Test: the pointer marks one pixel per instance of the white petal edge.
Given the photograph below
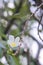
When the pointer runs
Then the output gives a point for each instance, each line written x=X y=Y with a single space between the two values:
x=17 y=40
x=11 y=37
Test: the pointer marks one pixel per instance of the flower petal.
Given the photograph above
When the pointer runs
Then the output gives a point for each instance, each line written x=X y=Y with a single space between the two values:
x=3 y=60
x=34 y=49
x=17 y=41
x=40 y=58
x=11 y=37
x=9 y=41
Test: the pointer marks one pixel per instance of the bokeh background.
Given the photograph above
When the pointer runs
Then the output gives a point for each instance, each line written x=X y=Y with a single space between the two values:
x=23 y=19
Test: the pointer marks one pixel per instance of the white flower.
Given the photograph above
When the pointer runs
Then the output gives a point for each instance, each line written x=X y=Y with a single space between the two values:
x=37 y=14
x=32 y=2
x=11 y=5
x=33 y=9
x=13 y=42
x=41 y=57
x=3 y=60
x=24 y=43
x=34 y=49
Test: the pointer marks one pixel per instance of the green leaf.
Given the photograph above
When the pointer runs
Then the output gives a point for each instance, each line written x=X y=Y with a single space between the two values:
x=1 y=63
x=1 y=52
x=32 y=63
x=15 y=32
x=13 y=60
x=16 y=59
x=2 y=46
x=24 y=11
x=10 y=60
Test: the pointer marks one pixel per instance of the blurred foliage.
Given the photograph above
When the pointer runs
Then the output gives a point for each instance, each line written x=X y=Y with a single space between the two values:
x=15 y=32
x=1 y=63
x=20 y=17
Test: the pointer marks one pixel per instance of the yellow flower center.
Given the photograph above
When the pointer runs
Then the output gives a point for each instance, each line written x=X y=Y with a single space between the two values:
x=13 y=44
